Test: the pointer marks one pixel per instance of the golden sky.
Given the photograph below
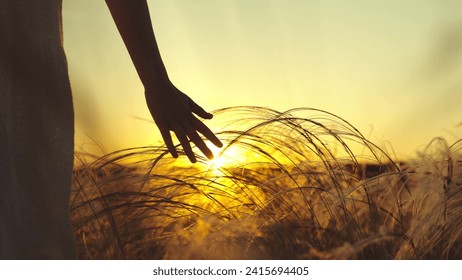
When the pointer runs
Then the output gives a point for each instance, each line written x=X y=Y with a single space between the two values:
x=391 y=68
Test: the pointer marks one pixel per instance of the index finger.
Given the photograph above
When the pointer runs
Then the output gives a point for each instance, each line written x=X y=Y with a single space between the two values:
x=204 y=130
x=165 y=133
x=181 y=135
x=196 y=139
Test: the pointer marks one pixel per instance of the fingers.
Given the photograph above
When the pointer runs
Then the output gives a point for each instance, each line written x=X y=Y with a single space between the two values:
x=181 y=135
x=165 y=132
x=204 y=130
x=186 y=127
x=198 y=110
x=185 y=135
x=196 y=139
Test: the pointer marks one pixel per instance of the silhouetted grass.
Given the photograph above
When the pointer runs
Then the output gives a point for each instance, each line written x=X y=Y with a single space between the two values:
x=292 y=186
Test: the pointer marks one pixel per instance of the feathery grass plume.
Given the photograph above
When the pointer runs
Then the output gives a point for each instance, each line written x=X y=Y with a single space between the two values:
x=299 y=184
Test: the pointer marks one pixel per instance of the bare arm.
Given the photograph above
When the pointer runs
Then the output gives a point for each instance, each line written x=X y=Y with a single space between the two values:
x=171 y=109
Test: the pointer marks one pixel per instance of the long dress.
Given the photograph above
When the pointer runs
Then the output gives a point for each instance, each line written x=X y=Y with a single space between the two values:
x=36 y=133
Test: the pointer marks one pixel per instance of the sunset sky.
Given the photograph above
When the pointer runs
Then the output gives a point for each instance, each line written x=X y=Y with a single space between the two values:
x=391 y=68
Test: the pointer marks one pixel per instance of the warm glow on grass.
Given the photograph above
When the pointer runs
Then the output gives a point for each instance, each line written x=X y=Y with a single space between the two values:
x=277 y=190
x=226 y=156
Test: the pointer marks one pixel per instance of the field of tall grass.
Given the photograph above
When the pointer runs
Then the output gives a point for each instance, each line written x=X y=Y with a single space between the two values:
x=301 y=184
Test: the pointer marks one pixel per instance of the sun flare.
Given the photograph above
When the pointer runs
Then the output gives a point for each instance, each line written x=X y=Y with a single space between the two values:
x=227 y=156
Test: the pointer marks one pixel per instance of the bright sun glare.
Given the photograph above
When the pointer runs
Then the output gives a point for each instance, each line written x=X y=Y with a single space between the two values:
x=221 y=157
x=227 y=156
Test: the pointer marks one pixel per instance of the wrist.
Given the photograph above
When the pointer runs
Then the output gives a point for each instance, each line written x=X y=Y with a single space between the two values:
x=158 y=86
x=157 y=82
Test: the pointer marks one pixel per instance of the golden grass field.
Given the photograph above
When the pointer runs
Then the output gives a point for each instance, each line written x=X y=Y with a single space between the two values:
x=287 y=185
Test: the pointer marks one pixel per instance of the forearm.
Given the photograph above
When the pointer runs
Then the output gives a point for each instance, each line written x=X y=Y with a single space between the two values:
x=134 y=25
x=171 y=109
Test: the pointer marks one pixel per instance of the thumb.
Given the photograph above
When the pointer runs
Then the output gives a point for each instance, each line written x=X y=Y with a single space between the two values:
x=198 y=110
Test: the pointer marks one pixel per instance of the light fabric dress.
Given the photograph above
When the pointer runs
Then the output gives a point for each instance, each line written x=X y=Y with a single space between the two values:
x=36 y=132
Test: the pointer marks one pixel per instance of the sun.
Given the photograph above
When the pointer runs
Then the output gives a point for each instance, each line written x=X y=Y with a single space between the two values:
x=227 y=156
x=218 y=161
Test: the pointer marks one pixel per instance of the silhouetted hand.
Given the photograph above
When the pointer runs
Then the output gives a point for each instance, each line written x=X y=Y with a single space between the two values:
x=172 y=110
